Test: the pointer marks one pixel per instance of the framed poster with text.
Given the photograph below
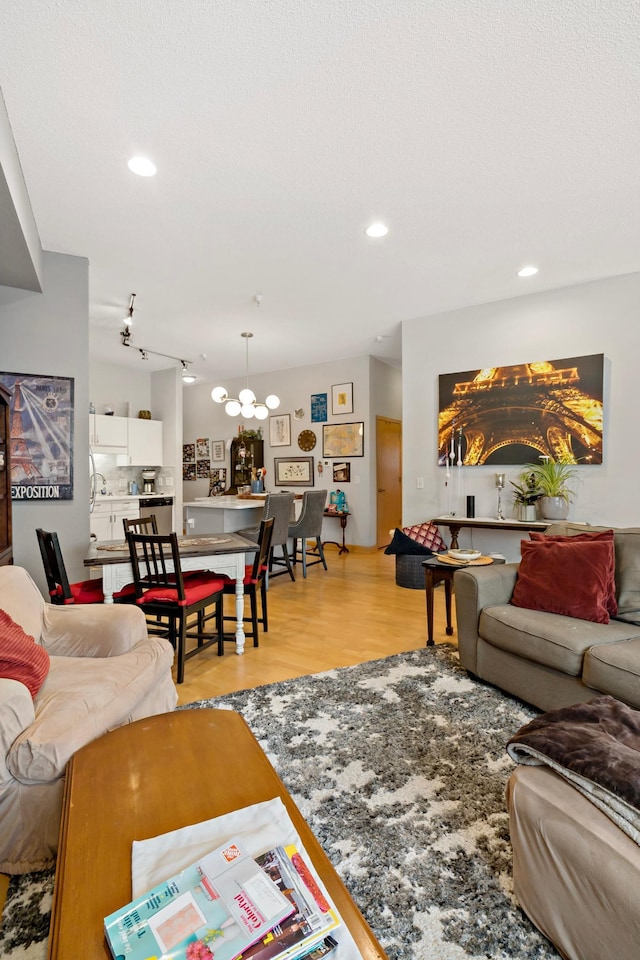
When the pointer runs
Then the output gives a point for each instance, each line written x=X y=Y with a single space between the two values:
x=41 y=436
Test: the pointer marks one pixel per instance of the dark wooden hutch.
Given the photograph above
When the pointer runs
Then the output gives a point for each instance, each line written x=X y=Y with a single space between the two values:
x=246 y=455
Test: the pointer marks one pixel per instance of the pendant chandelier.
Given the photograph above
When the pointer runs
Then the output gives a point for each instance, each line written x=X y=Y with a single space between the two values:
x=246 y=405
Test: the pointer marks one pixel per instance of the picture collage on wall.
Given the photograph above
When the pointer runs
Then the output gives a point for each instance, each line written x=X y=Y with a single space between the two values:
x=340 y=440
x=196 y=460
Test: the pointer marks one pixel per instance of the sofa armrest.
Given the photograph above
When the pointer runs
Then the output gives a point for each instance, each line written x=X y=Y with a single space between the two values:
x=92 y=629
x=16 y=714
x=475 y=589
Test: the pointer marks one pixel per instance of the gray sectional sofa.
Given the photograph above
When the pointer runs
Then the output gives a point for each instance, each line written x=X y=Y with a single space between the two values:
x=543 y=658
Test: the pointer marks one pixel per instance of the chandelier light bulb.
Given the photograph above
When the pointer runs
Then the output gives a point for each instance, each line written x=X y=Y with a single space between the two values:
x=233 y=407
x=247 y=396
x=219 y=394
x=246 y=404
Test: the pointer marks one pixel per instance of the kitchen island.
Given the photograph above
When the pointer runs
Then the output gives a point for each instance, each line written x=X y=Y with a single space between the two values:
x=221 y=514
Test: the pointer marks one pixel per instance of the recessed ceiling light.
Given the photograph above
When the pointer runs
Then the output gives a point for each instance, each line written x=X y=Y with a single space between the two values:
x=527 y=271
x=142 y=166
x=377 y=230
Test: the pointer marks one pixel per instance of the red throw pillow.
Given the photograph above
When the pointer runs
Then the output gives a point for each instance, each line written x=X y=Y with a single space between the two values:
x=20 y=656
x=426 y=534
x=569 y=578
x=607 y=535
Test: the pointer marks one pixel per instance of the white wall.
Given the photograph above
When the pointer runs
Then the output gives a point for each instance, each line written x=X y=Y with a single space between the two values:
x=597 y=317
x=48 y=333
x=126 y=390
x=203 y=418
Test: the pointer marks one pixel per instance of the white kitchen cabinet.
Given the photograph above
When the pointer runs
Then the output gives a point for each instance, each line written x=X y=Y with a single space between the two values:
x=105 y=523
x=108 y=434
x=144 y=444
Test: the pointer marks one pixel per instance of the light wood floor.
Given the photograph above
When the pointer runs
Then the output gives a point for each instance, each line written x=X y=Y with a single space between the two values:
x=349 y=614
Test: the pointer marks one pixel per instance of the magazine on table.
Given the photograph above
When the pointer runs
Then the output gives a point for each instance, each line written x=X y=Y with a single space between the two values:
x=312 y=917
x=219 y=905
x=261 y=827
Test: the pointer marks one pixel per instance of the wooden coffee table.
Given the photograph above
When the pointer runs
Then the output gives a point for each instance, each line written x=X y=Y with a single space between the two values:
x=145 y=779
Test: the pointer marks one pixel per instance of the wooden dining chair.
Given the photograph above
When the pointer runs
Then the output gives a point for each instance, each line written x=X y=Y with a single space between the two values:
x=161 y=590
x=140 y=524
x=255 y=581
x=63 y=592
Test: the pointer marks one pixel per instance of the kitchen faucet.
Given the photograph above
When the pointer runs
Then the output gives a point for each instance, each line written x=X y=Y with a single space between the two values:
x=93 y=480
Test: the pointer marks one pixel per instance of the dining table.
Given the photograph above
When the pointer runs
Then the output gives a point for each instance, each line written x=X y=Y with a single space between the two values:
x=223 y=553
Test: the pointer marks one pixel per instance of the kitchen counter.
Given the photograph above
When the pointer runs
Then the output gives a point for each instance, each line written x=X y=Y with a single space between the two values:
x=222 y=503
x=221 y=515
x=129 y=497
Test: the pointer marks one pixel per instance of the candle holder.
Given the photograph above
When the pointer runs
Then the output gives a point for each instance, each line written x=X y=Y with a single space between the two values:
x=500 y=488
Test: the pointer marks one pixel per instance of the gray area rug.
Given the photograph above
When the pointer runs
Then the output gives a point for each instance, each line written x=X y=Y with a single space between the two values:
x=399 y=766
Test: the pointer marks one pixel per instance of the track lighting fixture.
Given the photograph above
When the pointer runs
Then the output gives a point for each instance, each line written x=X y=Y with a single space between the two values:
x=125 y=337
x=187 y=377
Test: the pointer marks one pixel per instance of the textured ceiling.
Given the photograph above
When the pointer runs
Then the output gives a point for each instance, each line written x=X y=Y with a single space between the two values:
x=486 y=133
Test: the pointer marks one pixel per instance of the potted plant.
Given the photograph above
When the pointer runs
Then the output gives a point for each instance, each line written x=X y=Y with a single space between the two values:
x=552 y=479
x=526 y=493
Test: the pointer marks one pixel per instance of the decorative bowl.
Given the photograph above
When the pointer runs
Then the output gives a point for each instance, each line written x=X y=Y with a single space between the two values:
x=464 y=554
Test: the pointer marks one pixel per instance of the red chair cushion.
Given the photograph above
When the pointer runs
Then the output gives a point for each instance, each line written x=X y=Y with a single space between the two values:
x=21 y=658
x=90 y=591
x=195 y=589
x=248 y=576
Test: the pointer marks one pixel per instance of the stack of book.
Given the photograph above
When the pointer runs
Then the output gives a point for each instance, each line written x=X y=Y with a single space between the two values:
x=228 y=905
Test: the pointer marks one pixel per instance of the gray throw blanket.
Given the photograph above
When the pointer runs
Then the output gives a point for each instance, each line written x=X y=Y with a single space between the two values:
x=595 y=746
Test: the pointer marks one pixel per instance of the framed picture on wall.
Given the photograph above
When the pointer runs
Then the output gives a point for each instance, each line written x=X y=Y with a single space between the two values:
x=342 y=472
x=280 y=430
x=293 y=471
x=41 y=414
x=341 y=398
x=202 y=448
x=343 y=440
x=318 y=407
x=217 y=450
x=515 y=414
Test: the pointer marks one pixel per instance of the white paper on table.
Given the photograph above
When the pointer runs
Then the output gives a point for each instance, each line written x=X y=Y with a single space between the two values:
x=260 y=826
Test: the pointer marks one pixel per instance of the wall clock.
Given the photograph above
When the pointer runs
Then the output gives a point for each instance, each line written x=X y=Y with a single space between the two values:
x=307 y=440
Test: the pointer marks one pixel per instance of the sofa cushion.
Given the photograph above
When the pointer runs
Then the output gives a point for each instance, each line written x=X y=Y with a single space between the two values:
x=547 y=638
x=607 y=535
x=81 y=699
x=627 y=550
x=565 y=577
x=615 y=669
x=20 y=656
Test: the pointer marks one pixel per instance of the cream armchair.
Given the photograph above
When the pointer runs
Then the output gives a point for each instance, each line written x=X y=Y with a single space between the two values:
x=105 y=671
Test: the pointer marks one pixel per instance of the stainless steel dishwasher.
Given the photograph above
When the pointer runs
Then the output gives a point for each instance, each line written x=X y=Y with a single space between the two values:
x=162 y=508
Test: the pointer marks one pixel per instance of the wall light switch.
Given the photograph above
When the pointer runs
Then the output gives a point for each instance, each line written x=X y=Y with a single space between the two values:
x=356 y=479
x=169 y=481
x=419 y=483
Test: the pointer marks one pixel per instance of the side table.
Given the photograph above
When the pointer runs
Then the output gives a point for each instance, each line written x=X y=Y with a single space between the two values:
x=342 y=517
x=435 y=571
